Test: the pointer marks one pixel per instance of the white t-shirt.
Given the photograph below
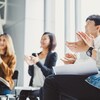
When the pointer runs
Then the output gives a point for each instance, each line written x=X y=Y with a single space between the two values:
x=83 y=56
x=38 y=79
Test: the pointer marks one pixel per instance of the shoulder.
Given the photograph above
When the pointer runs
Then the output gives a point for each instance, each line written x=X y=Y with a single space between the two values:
x=53 y=53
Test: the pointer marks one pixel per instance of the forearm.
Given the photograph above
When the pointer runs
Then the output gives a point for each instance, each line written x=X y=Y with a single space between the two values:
x=45 y=70
x=94 y=54
x=8 y=68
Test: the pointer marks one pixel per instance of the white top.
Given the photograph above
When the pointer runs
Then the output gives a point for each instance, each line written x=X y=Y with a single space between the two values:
x=97 y=42
x=38 y=79
x=98 y=52
x=83 y=56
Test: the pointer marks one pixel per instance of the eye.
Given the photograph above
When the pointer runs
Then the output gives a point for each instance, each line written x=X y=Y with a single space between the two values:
x=4 y=40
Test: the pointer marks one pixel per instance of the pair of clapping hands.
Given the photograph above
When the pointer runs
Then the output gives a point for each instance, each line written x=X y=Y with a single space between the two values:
x=84 y=42
x=30 y=60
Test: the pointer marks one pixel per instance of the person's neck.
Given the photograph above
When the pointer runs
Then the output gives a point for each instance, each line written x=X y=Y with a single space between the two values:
x=96 y=34
x=45 y=51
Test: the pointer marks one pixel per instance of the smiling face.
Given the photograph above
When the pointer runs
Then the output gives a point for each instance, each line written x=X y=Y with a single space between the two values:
x=91 y=28
x=45 y=41
x=3 y=43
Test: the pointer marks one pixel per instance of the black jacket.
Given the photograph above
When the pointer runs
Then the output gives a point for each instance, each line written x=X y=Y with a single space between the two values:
x=46 y=69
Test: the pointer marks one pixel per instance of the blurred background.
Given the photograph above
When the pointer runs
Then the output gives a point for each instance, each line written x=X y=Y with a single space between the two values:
x=27 y=20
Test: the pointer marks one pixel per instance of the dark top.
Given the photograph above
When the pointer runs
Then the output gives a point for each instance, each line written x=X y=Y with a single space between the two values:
x=46 y=69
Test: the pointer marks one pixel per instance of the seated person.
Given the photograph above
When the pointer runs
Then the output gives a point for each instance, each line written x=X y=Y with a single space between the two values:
x=75 y=85
x=7 y=64
x=40 y=65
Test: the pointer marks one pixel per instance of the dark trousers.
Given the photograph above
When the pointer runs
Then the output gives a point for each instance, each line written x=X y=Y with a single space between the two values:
x=32 y=95
x=71 y=85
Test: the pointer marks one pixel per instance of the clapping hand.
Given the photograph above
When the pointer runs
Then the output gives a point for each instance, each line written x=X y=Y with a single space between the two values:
x=89 y=40
x=82 y=44
x=30 y=60
x=69 y=58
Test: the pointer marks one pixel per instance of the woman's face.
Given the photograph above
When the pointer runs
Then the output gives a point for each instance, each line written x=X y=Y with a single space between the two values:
x=45 y=41
x=3 y=43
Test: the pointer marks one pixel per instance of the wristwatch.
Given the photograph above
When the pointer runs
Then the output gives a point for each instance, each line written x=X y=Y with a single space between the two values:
x=89 y=51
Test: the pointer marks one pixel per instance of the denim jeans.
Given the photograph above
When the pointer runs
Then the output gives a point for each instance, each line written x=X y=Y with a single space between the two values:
x=94 y=80
x=4 y=89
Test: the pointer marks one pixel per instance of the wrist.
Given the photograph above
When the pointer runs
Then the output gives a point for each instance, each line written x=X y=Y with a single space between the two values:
x=89 y=51
x=86 y=48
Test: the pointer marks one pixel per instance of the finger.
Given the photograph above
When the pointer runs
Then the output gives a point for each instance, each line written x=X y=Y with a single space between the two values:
x=65 y=61
x=68 y=56
x=87 y=39
x=72 y=46
x=33 y=57
x=62 y=59
x=78 y=36
x=65 y=58
x=73 y=49
x=70 y=43
x=75 y=56
x=92 y=36
x=83 y=36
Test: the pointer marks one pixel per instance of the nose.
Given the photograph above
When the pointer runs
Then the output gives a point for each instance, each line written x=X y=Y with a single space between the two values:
x=1 y=42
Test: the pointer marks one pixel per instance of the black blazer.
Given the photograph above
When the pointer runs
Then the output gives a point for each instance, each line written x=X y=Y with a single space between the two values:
x=46 y=69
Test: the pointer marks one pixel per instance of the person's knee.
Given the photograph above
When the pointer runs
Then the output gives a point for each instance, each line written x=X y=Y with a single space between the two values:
x=49 y=81
x=23 y=92
x=49 y=78
x=23 y=95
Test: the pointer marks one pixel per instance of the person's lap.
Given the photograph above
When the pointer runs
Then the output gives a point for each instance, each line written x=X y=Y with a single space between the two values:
x=71 y=85
x=4 y=89
x=28 y=93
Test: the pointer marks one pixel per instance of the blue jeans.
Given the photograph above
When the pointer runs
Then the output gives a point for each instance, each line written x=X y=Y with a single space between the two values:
x=94 y=80
x=4 y=89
